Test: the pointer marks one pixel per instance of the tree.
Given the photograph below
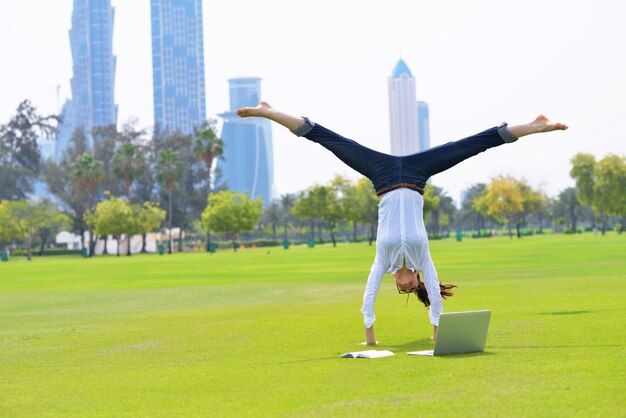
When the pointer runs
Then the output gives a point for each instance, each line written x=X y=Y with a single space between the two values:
x=367 y=204
x=568 y=206
x=53 y=222
x=19 y=153
x=106 y=141
x=532 y=201
x=8 y=230
x=542 y=205
x=86 y=174
x=303 y=209
x=128 y=164
x=349 y=201
x=62 y=183
x=272 y=215
x=502 y=199
x=582 y=172
x=207 y=147
x=431 y=199
x=320 y=202
x=169 y=172
x=441 y=212
x=114 y=217
x=231 y=213
x=148 y=218
x=189 y=197
x=610 y=188
x=286 y=203
x=328 y=203
x=27 y=219
x=468 y=213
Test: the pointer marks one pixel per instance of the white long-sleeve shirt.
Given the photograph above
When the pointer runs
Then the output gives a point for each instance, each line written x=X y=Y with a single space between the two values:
x=402 y=238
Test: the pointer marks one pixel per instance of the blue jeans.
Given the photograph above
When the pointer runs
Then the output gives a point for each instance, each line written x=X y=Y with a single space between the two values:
x=388 y=172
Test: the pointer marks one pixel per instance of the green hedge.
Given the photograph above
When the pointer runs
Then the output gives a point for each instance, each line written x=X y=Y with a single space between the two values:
x=22 y=252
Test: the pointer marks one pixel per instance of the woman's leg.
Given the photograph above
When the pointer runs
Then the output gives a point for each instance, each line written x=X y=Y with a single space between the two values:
x=366 y=161
x=264 y=110
x=441 y=158
x=539 y=125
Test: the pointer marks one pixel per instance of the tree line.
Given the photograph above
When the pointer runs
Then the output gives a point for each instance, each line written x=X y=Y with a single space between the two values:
x=121 y=183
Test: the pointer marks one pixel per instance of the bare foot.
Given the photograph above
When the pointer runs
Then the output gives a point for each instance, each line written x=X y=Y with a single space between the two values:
x=540 y=124
x=261 y=110
x=543 y=124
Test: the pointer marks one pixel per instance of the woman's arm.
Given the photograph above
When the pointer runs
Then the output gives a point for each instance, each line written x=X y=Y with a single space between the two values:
x=431 y=282
x=369 y=336
x=369 y=297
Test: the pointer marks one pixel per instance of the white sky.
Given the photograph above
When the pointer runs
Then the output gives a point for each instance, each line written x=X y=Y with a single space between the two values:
x=476 y=63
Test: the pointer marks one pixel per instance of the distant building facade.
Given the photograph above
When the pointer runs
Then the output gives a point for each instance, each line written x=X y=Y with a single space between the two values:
x=64 y=131
x=408 y=118
x=247 y=165
x=93 y=70
x=423 y=121
x=178 y=65
x=93 y=63
x=403 y=114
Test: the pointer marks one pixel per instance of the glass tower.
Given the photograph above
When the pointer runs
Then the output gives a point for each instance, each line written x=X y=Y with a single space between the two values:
x=248 y=164
x=93 y=71
x=178 y=65
x=403 y=111
x=424 y=125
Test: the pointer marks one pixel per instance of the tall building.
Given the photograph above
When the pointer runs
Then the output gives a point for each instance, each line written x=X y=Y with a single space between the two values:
x=93 y=69
x=64 y=130
x=423 y=121
x=178 y=65
x=248 y=163
x=93 y=64
x=403 y=111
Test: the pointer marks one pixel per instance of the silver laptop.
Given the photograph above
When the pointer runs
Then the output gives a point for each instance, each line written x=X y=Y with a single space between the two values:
x=459 y=332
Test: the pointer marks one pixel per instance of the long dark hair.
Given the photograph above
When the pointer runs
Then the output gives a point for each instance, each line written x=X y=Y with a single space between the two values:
x=422 y=294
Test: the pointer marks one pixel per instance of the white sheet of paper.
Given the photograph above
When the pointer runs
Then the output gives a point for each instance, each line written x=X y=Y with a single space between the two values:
x=421 y=353
x=368 y=354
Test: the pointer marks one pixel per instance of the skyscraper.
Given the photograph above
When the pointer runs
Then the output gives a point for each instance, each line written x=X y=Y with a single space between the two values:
x=93 y=83
x=64 y=130
x=403 y=111
x=248 y=163
x=423 y=120
x=178 y=64
x=93 y=68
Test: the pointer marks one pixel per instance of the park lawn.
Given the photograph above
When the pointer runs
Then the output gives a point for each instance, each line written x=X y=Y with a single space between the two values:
x=259 y=333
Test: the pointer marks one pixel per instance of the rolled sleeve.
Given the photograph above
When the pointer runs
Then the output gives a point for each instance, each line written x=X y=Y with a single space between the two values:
x=505 y=133
x=305 y=128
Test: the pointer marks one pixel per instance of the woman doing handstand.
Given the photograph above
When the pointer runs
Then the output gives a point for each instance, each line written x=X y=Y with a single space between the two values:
x=402 y=242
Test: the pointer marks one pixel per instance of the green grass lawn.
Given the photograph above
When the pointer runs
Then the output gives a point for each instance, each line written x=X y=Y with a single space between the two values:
x=259 y=333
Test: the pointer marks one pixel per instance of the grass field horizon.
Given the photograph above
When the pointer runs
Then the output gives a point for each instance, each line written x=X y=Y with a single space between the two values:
x=259 y=333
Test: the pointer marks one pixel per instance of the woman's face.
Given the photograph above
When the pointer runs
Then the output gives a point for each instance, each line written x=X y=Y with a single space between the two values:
x=406 y=280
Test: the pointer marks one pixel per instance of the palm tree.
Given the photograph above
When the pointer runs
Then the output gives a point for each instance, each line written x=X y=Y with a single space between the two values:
x=207 y=147
x=273 y=215
x=169 y=171
x=128 y=164
x=286 y=203
x=86 y=174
